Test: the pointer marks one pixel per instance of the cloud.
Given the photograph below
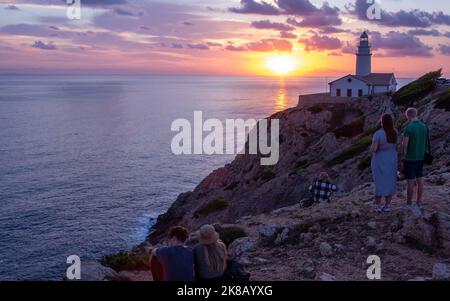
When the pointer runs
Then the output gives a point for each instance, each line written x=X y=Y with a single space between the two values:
x=331 y=30
x=266 y=24
x=253 y=7
x=424 y=32
x=126 y=12
x=320 y=43
x=399 y=44
x=188 y=23
x=177 y=46
x=296 y=7
x=268 y=45
x=198 y=46
x=413 y=18
x=213 y=44
x=287 y=35
x=235 y=48
x=444 y=49
x=12 y=7
x=43 y=46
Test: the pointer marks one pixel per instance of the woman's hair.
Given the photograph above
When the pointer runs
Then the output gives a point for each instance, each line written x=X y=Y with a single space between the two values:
x=387 y=122
x=215 y=256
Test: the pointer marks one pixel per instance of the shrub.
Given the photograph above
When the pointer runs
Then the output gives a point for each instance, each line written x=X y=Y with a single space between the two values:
x=267 y=175
x=124 y=261
x=443 y=101
x=352 y=129
x=414 y=91
x=218 y=204
x=364 y=163
x=354 y=150
x=232 y=186
x=230 y=234
x=303 y=164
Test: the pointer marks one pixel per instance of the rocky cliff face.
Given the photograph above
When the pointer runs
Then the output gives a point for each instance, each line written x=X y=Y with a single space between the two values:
x=325 y=137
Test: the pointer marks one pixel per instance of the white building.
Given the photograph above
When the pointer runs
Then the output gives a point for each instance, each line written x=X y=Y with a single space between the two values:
x=364 y=82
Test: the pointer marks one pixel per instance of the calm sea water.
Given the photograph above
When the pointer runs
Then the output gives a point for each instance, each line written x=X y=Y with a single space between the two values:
x=86 y=164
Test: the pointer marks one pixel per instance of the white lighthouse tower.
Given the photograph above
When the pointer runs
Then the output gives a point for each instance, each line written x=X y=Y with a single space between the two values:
x=364 y=56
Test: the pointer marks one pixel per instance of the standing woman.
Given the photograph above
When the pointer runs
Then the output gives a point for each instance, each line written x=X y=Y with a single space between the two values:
x=384 y=162
x=210 y=255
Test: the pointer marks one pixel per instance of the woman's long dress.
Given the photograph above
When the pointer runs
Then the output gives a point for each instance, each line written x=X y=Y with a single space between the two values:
x=384 y=166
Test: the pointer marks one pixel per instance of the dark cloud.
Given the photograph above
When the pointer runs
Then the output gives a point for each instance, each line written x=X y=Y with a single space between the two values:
x=331 y=30
x=188 y=23
x=444 y=49
x=425 y=32
x=213 y=44
x=177 y=46
x=43 y=46
x=266 y=24
x=12 y=7
x=235 y=48
x=296 y=7
x=287 y=35
x=254 y=7
x=413 y=18
x=320 y=43
x=398 y=44
x=198 y=46
x=126 y=12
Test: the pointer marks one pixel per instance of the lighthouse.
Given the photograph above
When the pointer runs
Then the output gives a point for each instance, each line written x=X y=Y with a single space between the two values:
x=363 y=56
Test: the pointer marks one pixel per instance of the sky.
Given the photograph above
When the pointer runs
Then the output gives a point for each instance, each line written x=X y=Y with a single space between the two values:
x=223 y=37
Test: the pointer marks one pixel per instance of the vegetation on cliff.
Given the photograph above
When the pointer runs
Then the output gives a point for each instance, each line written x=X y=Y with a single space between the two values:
x=416 y=90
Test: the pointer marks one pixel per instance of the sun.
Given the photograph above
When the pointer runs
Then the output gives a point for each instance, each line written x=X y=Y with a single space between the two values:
x=281 y=64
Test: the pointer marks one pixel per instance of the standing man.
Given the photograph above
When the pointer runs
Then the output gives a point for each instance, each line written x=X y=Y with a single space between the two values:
x=413 y=149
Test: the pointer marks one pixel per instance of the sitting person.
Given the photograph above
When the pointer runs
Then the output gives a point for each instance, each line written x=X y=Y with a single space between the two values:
x=175 y=261
x=210 y=255
x=322 y=188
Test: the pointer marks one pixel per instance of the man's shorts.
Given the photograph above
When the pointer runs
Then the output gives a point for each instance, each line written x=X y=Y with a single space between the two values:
x=413 y=170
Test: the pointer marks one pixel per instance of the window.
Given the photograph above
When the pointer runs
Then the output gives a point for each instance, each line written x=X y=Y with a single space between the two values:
x=360 y=92
x=349 y=80
x=349 y=92
x=338 y=92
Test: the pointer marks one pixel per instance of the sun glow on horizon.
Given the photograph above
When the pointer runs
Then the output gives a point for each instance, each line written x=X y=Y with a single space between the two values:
x=281 y=64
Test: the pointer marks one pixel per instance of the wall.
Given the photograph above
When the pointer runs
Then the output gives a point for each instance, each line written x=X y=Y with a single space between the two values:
x=343 y=84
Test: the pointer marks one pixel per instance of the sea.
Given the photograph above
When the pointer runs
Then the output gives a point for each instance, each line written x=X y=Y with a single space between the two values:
x=86 y=164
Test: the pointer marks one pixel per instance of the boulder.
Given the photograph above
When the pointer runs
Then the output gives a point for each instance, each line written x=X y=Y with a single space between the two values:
x=94 y=271
x=325 y=249
x=306 y=268
x=372 y=225
x=371 y=243
x=441 y=272
x=282 y=236
x=240 y=247
x=326 y=277
x=268 y=231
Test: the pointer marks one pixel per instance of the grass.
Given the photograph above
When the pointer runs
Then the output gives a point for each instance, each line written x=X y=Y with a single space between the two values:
x=416 y=90
x=352 y=129
x=303 y=164
x=230 y=234
x=364 y=163
x=354 y=150
x=232 y=186
x=443 y=102
x=124 y=261
x=215 y=205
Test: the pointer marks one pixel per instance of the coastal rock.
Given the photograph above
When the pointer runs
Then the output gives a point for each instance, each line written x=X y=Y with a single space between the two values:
x=306 y=268
x=282 y=237
x=268 y=231
x=326 y=277
x=372 y=225
x=370 y=243
x=441 y=272
x=94 y=271
x=326 y=250
x=240 y=247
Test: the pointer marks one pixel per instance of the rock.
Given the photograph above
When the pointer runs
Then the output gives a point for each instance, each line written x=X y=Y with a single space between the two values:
x=326 y=250
x=355 y=213
x=419 y=278
x=399 y=238
x=306 y=268
x=441 y=272
x=241 y=246
x=326 y=277
x=379 y=246
x=307 y=237
x=372 y=225
x=443 y=231
x=339 y=248
x=282 y=236
x=371 y=243
x=268 y=231
x=420 y=231
x=94 y=271
x=314 y=229
x=260 y=260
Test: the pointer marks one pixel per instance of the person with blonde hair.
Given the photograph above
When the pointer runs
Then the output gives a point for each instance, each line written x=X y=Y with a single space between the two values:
x=210 y=255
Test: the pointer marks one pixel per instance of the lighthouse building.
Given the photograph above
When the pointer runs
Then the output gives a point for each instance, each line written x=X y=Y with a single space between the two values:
x=363 y=82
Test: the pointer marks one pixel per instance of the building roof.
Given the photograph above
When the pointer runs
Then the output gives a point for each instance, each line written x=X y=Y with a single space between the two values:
x=377 y=79
x=373 y=79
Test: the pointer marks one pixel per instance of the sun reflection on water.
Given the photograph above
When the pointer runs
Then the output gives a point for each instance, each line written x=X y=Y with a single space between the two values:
x=281 y=101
